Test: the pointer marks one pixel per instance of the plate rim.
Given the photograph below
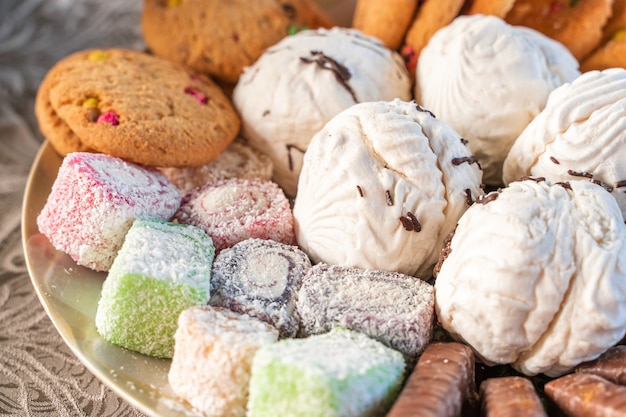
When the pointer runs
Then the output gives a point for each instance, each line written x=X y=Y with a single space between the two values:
x=149 y=403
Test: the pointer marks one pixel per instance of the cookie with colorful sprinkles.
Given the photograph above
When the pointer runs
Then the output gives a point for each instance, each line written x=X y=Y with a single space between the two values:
x=135 y=106
x=387 y=21
x=222 y=37
x=609 y=55
x=429 y=18
x=577 y=24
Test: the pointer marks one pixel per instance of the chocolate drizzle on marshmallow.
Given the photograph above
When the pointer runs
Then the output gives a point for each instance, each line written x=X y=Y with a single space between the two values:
x=603 y=185
x=410 y=222
x=463 y=159
x=535 y=179
x=342 y=74
x=445 y=251
x=468 y=197
x=484 y=199
x=388 y=198
x=584 y=174
x=423 y=110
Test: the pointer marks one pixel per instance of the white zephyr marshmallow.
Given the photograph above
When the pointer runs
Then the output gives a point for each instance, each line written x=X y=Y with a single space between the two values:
x=300 y=83
x=489 y=79
x=536 y=276
x=382 y=184
x=580 y=134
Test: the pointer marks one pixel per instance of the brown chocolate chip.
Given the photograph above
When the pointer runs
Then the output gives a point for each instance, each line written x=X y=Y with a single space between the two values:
x=92 y=115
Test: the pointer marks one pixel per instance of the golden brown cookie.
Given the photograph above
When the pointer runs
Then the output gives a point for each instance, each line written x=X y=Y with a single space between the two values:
x=135 y=106
x=617 y=22
x=498 y=8
x=222 y=37
x=577 y=24
x=431 y=16
x=387 y=20
x=58 y=133
x=611 y=54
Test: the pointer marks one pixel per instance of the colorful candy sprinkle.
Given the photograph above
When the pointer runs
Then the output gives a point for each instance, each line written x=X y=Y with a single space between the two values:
x=293 y=29
x=98 y=56
x=109 y=117
x=197 y=94
x=410 y=58
x=555 y=6
x=174 y=3
x=620 y=34
x=91 y=103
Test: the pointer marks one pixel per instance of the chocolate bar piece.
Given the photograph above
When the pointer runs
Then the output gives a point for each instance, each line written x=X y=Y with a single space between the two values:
x=440 y=384
x=510 y=396
x=610 y=365
x=587 y=395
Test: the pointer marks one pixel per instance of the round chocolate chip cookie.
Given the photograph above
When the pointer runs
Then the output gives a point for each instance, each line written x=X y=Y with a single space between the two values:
x=134 y=106
x=222 y=37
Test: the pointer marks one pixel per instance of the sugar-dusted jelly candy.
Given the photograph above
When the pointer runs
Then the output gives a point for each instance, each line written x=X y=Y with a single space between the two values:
x=213 y=355
x=93 y=202
x=161 y=269
x=340 y=373
x=237 y=209
x=393 y=308
x=261 y=278
x=441 y=383
x=510 y=396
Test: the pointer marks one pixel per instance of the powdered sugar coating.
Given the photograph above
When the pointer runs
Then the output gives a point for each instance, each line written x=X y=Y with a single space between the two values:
x=238 y=160
x=237 y=209
x=93 y=202
x=536 y=277
x=161 y=269
x=213 y=355
x=339 y=373
x=393 y=308
x=261 y=278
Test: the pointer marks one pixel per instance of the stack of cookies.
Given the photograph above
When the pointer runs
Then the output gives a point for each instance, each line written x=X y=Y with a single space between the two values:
x=593 y=30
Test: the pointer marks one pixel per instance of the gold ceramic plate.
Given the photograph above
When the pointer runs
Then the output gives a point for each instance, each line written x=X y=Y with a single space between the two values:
x=70 y=293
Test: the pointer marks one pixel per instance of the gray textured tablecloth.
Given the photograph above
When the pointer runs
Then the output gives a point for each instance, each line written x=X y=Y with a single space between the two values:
x=39 y=375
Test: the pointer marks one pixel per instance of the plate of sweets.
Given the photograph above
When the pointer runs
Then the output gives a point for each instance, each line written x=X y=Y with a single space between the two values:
x=341 y=208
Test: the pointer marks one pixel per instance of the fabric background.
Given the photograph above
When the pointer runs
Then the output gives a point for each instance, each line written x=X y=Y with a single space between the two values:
x=39 y=375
